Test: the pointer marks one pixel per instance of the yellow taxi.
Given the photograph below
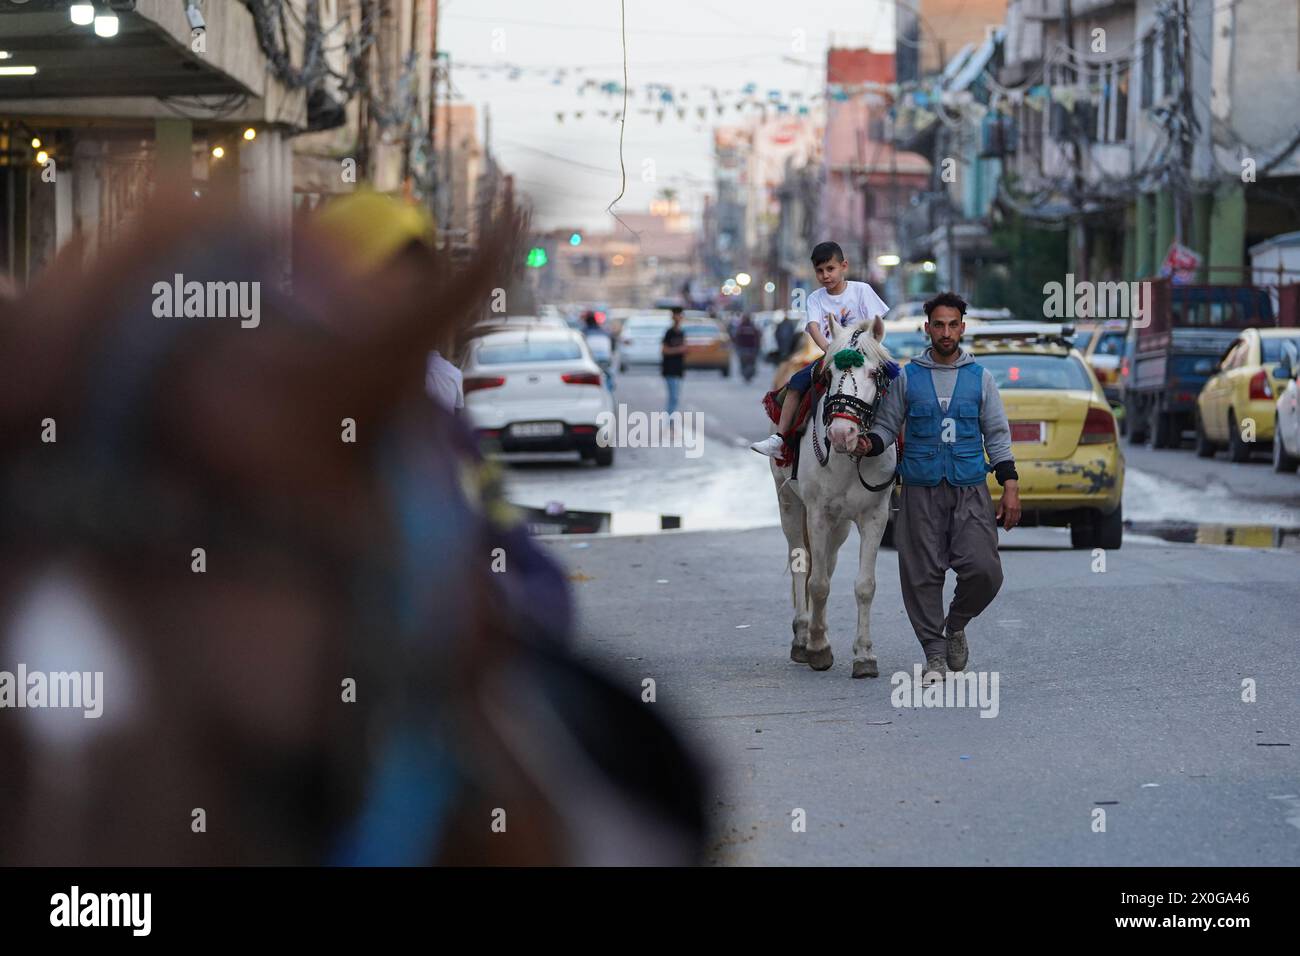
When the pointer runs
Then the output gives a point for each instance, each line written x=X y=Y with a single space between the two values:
x=1063 y=433
x=1237 y=405
x=708 y=346
x=1102 y=346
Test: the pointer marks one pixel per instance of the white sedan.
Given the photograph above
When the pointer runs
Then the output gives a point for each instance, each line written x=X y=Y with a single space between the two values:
x=1286 y=434
x=536 y=390
x=641 y=340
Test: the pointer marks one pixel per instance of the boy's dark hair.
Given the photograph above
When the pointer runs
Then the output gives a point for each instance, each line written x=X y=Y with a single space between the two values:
x=676 y=311
x=950 y=299
x=826 y=251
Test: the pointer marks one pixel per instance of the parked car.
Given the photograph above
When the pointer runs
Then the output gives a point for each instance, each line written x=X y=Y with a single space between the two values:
x=708 y=345
x=536 y=389
x=1242 y=389
x=1286 y=430
x=502 y=323
x=641 y=339
x=1063 y=434
x=1174 y=352
x=1104 y=351
x=906 y=338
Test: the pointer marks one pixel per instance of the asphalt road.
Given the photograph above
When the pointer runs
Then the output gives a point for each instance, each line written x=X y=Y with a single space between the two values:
x=1121 y=689
x=1118 y=690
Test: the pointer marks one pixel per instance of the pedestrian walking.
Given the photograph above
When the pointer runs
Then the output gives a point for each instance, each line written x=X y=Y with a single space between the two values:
x=673 y=362
x=946 y=518
x=601 y=344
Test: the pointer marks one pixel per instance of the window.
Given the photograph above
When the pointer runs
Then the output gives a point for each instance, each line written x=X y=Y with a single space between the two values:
x=537 y=350
x=906 y=345
x=1081 y=340
x=1271 y=349
x=1169 y=58
x=1148 y=69
x=1111 y=343
x=1012 y=371
x=1121 y=107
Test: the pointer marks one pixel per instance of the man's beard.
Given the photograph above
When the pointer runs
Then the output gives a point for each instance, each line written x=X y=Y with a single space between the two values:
x=945 y=352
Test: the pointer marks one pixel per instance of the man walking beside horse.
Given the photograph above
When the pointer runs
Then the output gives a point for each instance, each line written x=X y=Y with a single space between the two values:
x=946 y=518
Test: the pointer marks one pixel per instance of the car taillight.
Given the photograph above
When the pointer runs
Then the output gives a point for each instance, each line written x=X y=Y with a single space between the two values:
x=1123 y=368
x=1259 y=387
x=581 y=378
x=1098 y=427
x=474 y=382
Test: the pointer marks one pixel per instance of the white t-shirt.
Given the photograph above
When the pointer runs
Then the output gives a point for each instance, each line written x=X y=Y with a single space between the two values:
x=856 y=304
x=444 y=383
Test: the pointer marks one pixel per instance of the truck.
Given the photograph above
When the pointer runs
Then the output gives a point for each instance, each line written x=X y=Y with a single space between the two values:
x=1176 y=345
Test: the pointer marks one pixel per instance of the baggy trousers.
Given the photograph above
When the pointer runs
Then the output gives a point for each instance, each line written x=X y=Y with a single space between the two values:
x=947 y=526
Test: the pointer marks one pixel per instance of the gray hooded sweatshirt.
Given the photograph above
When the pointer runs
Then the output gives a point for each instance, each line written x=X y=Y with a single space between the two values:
x=993 y=418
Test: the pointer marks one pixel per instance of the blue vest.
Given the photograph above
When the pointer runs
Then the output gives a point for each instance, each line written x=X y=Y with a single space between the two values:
x=927 y=457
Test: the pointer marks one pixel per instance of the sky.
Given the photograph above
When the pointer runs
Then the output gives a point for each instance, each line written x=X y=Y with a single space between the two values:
x=570 y=169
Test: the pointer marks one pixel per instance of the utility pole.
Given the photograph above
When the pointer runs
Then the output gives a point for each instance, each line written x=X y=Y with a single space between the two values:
x=1078 y=233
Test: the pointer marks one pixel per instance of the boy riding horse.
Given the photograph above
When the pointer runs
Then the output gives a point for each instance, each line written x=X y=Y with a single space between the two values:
x=838 y=303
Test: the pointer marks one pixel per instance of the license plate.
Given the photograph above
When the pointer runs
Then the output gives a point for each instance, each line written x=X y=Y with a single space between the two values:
x=537 y=429
x=1023 y=432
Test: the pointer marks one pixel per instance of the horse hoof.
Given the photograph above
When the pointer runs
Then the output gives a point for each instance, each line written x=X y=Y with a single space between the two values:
x=799 y=653
x=867 y=668
x=820 y=660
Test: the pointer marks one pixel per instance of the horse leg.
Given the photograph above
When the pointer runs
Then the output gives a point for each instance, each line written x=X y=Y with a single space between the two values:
x=825 y=538
x=792 y=517
x=871 y=528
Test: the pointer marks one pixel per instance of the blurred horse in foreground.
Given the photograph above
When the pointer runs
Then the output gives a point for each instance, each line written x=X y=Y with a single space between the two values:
x=278 y=552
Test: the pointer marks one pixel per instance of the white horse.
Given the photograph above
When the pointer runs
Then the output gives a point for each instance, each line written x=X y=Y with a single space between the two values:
x=817 y=509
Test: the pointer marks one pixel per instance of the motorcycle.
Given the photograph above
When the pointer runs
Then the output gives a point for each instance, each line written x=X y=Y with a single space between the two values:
x=748 y=362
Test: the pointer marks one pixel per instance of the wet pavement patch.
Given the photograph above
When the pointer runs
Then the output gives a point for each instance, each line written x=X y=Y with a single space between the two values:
x=550 y=521
x=1208 y=533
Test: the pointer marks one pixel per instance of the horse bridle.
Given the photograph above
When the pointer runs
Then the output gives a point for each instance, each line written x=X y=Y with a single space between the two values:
x=841 y=404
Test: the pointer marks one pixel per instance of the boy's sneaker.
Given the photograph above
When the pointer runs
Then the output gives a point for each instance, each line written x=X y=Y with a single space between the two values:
x=770 y=446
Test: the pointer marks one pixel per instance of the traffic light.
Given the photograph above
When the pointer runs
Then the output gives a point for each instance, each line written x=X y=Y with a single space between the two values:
x=536 y=257
x=575 y=239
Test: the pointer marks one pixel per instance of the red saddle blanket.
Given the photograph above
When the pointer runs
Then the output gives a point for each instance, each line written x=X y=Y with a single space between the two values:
x=772 y=402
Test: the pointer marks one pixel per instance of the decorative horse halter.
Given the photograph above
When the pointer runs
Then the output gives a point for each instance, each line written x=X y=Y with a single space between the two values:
x=842 y=404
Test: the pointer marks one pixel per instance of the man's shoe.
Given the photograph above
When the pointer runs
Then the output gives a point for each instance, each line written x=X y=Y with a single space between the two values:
x=958 y=650
x=935 y=669
x=770 y=446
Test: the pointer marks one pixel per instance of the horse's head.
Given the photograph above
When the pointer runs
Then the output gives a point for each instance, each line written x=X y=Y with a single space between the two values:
x=857 y=362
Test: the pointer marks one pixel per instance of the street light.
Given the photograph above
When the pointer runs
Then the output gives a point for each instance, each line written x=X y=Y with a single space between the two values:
x=218 y=152
x=36 y=142
x=42 y=158
x=927 y=266
x=888 y=260
x=250 y=134
x=769 y=287
x=106 y=25
x=83 y=14
x=743 y=278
